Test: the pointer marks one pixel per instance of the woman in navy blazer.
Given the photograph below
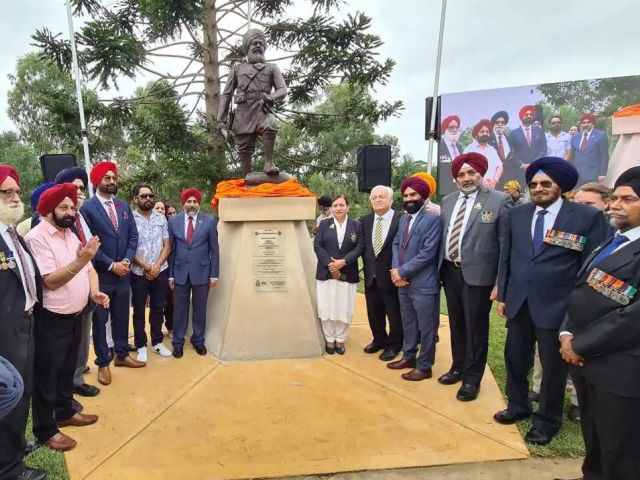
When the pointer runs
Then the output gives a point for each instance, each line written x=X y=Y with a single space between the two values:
x=338 y=244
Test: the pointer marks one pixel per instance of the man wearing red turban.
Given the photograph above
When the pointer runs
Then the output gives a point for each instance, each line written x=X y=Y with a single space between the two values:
x=482 y=134
x=590 y=151
x=448 y=149
x=111 y=219
x=69 y=280
x=527 y=144
x=415 y=273
x=193 y=269
x=19 y=291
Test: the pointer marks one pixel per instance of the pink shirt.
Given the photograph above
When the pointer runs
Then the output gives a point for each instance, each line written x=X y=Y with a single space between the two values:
x=52 y=250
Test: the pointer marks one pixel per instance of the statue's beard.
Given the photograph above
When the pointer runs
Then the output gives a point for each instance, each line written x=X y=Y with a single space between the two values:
x=255 y=57
x=11 y=214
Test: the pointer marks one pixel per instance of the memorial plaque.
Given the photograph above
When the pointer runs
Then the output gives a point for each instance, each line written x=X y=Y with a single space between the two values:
x=270 y=284
x=269 y=266
x=267 y=242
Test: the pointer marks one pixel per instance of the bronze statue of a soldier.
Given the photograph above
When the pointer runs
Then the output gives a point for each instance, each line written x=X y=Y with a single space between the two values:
x=257 y=86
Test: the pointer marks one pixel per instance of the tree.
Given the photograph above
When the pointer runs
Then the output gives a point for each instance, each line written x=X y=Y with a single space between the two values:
x=24 y=159
x=123 y=38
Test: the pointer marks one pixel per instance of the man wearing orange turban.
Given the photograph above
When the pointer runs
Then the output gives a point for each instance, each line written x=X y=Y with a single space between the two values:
x=482 y=134
x=590 y=151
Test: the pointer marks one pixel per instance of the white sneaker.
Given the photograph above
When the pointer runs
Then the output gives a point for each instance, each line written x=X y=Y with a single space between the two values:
x=161 y=350
x=142 y=354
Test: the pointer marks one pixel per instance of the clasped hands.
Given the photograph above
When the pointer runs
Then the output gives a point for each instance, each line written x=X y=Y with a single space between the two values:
x=397 y=280
x=566 y=350
x=151 y=272
x=334 y=267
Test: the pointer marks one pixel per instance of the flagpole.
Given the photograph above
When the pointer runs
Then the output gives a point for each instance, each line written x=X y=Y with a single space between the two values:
x=249 y=15
x=432 y=126
x=78 y=78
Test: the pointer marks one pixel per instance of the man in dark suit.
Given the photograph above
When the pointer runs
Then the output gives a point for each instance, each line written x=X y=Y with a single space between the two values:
x=111 y=220
x=448 y=149
x=500 y=141
x=601 y=340
x=527 y=144
x=473 y=222
x=380 y=228
x=590 y=151
x=20 y=292
x=193 y=269
x=415 y=273
x=535 y=278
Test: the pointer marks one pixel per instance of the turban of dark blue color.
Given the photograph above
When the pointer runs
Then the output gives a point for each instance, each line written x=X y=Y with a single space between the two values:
x=11 y=387
x=68 y=175
x=39 y=190
x=630 y=178
x=563 y=173
x=500 y=114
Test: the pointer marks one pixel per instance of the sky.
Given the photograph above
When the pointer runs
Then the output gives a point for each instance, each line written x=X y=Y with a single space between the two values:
x=487 y=44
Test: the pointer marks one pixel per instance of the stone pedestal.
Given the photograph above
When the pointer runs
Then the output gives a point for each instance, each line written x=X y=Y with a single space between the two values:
x=264 y=306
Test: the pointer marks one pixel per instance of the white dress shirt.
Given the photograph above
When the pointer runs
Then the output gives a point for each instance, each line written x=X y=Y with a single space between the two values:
x=387 y=218
x=470 y=203
x=549 y=218
x=29 y=302
x=505 y=144
x=492 y=156
x=632 y=234
x=341 y=229
x=186 y=223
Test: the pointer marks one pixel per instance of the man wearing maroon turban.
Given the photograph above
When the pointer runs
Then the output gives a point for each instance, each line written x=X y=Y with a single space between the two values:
x=69 y=280
x=527 y=144
x=448 y=149
x=482 y=134
x=415 y=273
x=111 y=220
x=590 y=151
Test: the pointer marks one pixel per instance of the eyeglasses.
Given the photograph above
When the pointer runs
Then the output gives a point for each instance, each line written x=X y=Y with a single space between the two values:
x=543 y=184
x=147 y=195
x=10 y=192
x=81 y=189
x=500 y=122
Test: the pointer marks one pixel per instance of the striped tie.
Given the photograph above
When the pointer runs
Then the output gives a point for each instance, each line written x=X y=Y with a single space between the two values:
x=377 y=237
x=454 y=240
x=112 y=214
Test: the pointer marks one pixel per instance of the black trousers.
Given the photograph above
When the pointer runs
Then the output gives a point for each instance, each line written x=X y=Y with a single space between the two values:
x=156 y=290
x=57 y=339
x=17 y=346
x=383 y=304
x=469 y=308
x=168 y=310
x=610 y=425
x=522 y=335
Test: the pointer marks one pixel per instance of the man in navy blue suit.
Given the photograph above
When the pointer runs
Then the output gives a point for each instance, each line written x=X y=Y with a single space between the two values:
x=546 y=242
x=590 y=151
x=193 y=269
x=111 y=220
x=415 y=272
x=527 y=144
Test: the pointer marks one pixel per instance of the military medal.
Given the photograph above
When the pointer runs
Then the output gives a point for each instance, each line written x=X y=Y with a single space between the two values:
x=354 y=237
x=487 y=217
x=477 y=206
x=9 y=260
x=571 y=241
x=611 y=287
x=12 y=264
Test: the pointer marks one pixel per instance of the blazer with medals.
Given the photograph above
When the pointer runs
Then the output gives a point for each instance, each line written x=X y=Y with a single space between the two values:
x=605 y=332
x=326 y=246
x=545 y=280
x=483 y=236
x=378 y=267
x=199 y=261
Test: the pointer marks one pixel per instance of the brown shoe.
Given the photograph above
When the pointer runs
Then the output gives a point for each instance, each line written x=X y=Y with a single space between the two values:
x=61 y=442
x=401 y=364
x=79 y=420
x=104 y=375
x=129 y=361
x=416 y=375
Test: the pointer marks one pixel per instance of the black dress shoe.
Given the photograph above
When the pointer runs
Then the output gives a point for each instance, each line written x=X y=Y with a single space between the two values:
x=177 y=352
x=373 y=348
x=200 y=349
x=574 y=413
x=329 y=348
x=340 y=349
x=76 y=405
x=30 y=474
x=388 y=354
x=534 y=397
x=536 y=437
x=509 y=417
x=131 y=348
x=86 y=390
x=468 y=392
x=451 y=377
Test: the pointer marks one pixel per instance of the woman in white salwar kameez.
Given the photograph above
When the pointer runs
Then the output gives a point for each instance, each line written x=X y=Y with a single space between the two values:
x=338 y=244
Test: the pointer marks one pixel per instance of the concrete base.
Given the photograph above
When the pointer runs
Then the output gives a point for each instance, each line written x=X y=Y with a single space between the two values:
x=264 y=306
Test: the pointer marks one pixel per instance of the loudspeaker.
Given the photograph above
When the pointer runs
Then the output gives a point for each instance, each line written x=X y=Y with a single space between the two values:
x=374 y=166
x=52 y=163
x=428 y=107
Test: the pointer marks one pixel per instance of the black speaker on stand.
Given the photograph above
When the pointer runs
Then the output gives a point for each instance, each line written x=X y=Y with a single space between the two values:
x=52 y=163
x=374 y=166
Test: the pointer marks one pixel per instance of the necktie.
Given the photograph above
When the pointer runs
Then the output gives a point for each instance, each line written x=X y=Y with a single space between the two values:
x=112 y=214
x=528 y=134
x=190 y=231
x=608 y=250
x=538 y=232
x=28 y=275
x=500 y=148
x=456 y=231
x=377 y=236
x=79 y=231
x=583 y=143
x=454 y=150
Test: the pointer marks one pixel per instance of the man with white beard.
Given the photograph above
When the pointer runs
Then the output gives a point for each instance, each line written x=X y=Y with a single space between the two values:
x=20 y=292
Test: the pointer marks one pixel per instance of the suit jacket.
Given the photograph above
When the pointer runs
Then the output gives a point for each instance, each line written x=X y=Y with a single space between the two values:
x=419 y=262
x=115 y=245
x=545 y=280
x=507 y=167
x=200 y=261
x=606 y=333
x=521 y=151
x=445 y=180
x=325 y=245
x=378 y=267
x=593 y=161
x=12 y=298
x=483 y=236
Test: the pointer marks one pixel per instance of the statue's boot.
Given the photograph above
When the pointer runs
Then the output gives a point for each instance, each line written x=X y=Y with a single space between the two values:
x=268 y=142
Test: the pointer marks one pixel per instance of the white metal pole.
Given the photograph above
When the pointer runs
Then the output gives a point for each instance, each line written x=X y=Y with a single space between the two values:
x=78 y=78
x=249 y=15
x=436 y=84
